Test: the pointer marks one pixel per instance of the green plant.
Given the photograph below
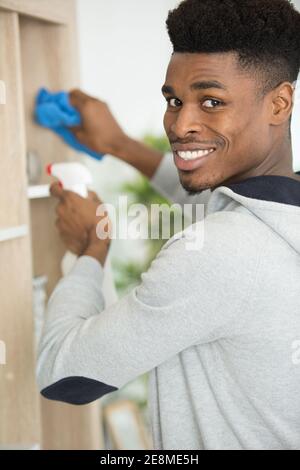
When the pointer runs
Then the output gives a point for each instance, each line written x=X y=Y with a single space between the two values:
x=160 y=143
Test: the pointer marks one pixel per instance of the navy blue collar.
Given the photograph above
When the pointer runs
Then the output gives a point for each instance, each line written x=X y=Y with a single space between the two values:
x=271 y=188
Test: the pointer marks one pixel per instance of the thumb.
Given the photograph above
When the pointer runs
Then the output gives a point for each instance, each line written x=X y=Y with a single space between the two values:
x=80 y=135
x=56 y=190
x=78 y=98
x=94 y=197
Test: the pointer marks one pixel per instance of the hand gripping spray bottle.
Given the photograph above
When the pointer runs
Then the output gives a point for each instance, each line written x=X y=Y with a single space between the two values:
x=76 y=177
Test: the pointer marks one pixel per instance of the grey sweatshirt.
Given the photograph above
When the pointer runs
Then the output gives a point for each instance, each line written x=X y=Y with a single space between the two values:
x=217 y=327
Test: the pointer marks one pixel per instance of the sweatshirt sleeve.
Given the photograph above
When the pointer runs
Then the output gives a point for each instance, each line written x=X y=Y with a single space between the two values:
x=192 y=294
x=166 y=182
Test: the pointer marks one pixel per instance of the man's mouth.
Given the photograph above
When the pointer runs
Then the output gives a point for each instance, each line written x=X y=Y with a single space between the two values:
x=195 y=154
x=192 y=159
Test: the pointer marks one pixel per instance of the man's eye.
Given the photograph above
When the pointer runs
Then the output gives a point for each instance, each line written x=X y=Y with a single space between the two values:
x=174 y=102
x=212 y=103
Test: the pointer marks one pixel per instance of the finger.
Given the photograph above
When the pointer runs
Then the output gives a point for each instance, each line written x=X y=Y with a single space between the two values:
x=64 y=210
x=59 y=210
x=69 y=201
x=73 y=199
x=66 y=234
x=76 y=129
x=61 y=226
x=79 y=135
x=78 y=98
x=56 y=190
x=94 y=197
x=67 y=228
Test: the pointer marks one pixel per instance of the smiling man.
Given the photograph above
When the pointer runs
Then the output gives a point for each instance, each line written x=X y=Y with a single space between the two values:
x=230 y=92
x=214 y=327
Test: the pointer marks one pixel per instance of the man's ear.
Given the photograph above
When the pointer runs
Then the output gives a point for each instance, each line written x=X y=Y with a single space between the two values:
x=282 y=103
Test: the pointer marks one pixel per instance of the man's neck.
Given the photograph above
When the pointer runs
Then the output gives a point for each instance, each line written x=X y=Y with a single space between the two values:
x=279 y=162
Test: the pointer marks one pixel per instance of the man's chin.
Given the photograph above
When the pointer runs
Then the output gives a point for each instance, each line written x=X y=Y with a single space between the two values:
x=193 y=189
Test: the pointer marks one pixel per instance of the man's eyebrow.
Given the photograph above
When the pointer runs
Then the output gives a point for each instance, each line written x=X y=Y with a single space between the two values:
x=206 y=84
x=167 y=90
x=202 y=85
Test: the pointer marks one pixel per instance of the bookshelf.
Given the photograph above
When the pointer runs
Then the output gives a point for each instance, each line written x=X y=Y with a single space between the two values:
x=38 y=47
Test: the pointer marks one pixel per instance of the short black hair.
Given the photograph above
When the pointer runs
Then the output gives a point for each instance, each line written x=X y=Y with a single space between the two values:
x=265 y=35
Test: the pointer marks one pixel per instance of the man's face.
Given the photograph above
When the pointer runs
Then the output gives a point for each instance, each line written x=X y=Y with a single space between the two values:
x=214 y=109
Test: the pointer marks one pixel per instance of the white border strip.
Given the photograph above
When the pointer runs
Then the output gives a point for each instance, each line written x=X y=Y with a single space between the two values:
x=2 y=92
x=14 y=232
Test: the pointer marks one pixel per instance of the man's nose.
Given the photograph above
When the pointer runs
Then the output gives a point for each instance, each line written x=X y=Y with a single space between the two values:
x=187 y=120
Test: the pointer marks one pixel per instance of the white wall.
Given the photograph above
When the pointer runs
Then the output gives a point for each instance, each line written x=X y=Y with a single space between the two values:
x=124 y=52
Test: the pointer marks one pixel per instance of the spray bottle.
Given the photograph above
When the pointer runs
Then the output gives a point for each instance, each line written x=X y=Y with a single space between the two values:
x=76 y=177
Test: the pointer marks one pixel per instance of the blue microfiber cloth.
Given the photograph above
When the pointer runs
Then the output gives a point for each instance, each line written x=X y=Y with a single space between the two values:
x=54 y=111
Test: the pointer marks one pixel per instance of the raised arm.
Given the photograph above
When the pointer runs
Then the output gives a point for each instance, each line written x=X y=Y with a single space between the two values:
x=101 y=132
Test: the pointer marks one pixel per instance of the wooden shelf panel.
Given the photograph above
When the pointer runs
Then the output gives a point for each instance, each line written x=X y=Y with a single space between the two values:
x=52 y=44
x=38 y=47
x=19 y=411
x=50 y=50
x=13 y=201
x=55 y=11
x=13 y=232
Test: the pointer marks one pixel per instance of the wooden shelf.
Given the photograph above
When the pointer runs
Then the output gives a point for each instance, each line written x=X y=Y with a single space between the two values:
x=38 y=46
x=13 y=233
x=56 y=11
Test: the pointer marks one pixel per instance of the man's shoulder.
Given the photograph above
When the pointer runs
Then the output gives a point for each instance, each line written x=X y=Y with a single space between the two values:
x=224 y=231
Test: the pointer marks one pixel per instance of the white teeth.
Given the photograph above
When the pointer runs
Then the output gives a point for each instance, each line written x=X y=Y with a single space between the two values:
x=195 y=154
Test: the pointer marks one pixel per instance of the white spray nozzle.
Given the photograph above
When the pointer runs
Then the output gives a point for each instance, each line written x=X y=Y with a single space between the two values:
x=73 y=176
